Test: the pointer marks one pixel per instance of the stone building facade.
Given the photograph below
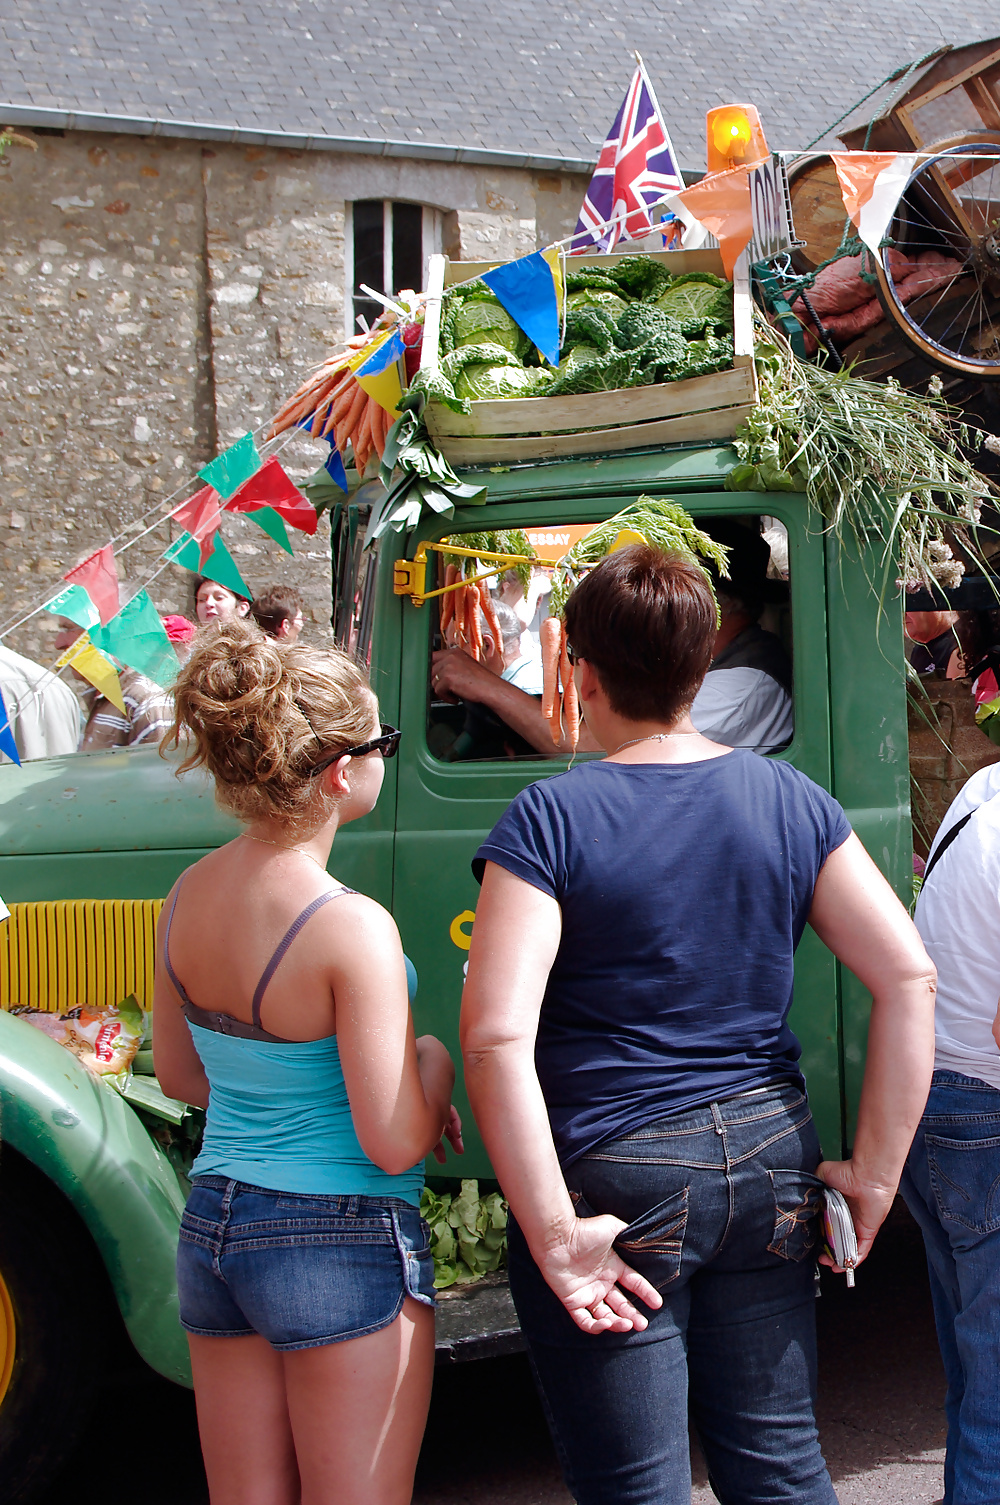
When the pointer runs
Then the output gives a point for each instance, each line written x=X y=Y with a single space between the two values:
x=160 y=297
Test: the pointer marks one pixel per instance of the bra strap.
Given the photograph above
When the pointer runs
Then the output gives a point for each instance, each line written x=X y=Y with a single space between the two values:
x=178 y=985
x=283 y=946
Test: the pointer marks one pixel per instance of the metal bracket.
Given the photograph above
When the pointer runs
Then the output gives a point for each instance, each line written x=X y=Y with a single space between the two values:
x=410 y=575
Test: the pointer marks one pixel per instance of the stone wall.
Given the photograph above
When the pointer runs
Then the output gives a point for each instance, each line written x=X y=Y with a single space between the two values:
x=157 y=299
x=946 y=749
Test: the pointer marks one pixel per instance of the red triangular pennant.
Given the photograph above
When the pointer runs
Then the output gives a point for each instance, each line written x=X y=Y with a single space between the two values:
x=201 y=516
x=273 y=487
x=99 y=577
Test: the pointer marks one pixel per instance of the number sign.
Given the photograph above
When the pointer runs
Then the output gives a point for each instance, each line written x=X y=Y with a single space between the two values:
x=773 y=232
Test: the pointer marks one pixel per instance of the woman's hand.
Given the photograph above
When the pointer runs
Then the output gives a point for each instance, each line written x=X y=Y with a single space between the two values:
x=453 y=1133
x=585 y=1273
x=869 y=1203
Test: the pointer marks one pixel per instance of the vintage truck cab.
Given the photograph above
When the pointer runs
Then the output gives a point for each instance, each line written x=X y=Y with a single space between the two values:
x=89 y=1191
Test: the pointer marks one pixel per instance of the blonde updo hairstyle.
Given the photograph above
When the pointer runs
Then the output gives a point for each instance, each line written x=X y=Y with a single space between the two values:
x=259 y=716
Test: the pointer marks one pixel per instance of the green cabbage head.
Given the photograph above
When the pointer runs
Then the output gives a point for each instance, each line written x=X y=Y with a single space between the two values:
x=480 y=322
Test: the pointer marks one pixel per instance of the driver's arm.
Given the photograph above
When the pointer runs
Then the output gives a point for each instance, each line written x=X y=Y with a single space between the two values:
x=456 y=676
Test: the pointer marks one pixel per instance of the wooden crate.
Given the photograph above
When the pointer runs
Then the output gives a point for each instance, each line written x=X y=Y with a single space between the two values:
x=702 y=409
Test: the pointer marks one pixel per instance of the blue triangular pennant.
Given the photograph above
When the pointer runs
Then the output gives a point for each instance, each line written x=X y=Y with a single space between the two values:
x=7 y=743
x=334 y=465
x=527 y=290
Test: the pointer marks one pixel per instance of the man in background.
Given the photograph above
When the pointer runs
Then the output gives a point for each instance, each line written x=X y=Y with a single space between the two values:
x=149 y=709
x=44 y=713
x=279 y=611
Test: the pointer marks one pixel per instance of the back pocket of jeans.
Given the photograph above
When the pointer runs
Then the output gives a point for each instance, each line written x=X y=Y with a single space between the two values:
x=965 y=1175
x=654 y=1243
x=798 y=1204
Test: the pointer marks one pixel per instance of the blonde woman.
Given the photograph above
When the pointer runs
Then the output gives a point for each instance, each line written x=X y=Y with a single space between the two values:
x=305 y=1278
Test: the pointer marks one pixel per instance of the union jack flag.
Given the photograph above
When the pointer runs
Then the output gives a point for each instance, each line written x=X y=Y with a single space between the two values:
x=635 y=170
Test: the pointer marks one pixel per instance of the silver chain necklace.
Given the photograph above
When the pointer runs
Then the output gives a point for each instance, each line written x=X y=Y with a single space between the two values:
x=654 y=737
x=283 y=847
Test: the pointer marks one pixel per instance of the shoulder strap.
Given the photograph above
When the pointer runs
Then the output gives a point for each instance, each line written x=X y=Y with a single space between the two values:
x=946 y=842
x=283 y=946
x=178 y=985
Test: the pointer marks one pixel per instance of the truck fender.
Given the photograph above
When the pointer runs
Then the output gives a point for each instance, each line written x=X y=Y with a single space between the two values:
x=88 y=1142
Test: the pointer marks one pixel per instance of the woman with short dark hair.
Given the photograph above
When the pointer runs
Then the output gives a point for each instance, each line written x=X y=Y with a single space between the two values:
x=630 y=1065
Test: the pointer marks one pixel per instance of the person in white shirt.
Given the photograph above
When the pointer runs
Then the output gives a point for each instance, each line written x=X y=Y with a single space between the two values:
x=952 y=1180
x=44 y=713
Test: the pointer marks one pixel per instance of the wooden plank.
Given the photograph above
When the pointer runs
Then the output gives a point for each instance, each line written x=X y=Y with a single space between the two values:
x=742 y=308
x=705 y=428
x=588 y=410
x=708 y=260
x=429 y=353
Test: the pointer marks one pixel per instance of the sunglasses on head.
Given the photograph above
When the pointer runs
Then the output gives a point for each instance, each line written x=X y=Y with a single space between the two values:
x=387 y=744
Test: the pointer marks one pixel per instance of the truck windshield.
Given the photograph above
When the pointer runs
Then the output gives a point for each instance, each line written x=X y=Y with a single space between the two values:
x=485 y=676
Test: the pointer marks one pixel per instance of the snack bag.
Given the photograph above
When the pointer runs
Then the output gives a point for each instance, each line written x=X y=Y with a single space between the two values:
x=105 y=1040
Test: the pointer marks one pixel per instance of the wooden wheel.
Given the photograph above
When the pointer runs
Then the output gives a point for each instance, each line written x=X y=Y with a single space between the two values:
x=945 y=299
x=817 y=210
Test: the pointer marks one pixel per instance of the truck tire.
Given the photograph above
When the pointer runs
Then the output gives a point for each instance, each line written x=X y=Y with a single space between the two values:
x=56 y=1309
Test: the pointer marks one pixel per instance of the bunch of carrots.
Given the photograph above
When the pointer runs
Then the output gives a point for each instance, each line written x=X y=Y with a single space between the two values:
x=338 y=405
x=561 y=710
x=465 y=606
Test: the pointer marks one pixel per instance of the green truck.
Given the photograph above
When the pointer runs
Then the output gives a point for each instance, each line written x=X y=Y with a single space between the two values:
x=91 y=1189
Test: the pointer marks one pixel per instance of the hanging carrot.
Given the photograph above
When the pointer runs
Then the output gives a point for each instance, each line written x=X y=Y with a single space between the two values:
x=347 y=428
x=460 y=636
x=474 y=622
x=549 y=634
x=448 y=599
x=492 y=620
x=571 y=703
x=362 y=438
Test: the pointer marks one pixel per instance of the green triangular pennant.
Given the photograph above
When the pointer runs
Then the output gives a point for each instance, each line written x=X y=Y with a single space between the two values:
x=227 y=472
x=273 y=524
x=220 y=567
x=75 y=604
x=138 y=638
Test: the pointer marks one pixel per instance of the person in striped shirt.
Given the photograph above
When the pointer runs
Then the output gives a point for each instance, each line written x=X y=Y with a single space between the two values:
x=149 y=709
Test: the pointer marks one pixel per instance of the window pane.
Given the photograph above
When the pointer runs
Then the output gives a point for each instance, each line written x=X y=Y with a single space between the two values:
x=407 y=247
x=368 y=255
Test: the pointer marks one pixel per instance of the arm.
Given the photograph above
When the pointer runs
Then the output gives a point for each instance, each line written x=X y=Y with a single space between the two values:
x=399 y=1088
x=176 y=1062
x=458 y=676
x=514 y=942
x=858 y=916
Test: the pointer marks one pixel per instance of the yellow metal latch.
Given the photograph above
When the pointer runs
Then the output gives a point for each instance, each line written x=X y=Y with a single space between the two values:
x=409 y=576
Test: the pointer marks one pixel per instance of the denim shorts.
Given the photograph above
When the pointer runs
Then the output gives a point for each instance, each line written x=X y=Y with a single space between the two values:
x=300 y=1271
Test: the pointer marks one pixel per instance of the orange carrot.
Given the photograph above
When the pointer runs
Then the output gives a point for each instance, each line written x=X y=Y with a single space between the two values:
x=474 y=622
x=379 y=421
x=448 y=600
x=571 y=703
x=348 y=427
x=362 y=437
x=460 y=633
x=492 y=620
x=549 y=637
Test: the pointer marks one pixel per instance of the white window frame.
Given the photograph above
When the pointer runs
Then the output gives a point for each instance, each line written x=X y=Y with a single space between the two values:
x=431 y=226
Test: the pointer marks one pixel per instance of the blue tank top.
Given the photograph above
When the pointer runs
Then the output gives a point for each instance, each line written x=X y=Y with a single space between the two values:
x=278 y=1112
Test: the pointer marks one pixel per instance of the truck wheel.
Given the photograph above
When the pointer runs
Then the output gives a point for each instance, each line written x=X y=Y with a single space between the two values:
x=54 y=1317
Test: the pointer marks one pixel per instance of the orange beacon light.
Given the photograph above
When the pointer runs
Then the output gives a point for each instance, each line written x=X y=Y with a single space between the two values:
x=735 y=137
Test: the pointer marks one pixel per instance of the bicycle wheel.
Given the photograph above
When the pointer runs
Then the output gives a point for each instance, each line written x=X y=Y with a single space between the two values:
x=940 y=282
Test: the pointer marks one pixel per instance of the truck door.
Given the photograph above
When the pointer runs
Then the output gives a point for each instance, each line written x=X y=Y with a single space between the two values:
x=445 y=807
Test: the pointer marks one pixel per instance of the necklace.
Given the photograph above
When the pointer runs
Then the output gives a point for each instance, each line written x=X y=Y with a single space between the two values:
x=283 y=847
x=654 y=737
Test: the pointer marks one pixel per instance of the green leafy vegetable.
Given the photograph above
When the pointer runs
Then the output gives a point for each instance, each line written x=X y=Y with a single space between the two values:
x=606 y=373
x=640 y=276
x=692 y=298
x=487 y=383
x=645 y=321
x=479 y=322
x=590 y=326
x=590 y=277
x=664 y=524
x=593 y=297
x=468 y=1234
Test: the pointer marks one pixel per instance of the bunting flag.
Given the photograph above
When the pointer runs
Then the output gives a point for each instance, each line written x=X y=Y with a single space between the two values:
x=721 y=203
x=98 y=576
x=137 y=637
x=7 y=743
x=635 y=170
x=554 y=258
x=76 y=606
x=93 y=666
x=334 y=464
x=381 y=373
x=272 y=486
x=872 y=184
x=273 y=525
x=228 y=471
x=527 y=290
x=220 y=566
x=201 y=516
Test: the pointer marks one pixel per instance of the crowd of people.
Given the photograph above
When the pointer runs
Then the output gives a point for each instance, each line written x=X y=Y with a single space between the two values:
x=48 y=719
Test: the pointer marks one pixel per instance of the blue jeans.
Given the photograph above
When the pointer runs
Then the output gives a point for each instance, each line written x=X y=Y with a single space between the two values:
x=722 y=1206
x=952 y=1187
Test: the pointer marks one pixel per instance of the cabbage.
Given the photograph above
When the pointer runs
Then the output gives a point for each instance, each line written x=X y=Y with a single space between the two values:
x=593 y=297
x=487 y=383
x=691 y=298
x=580 y=355
x=483 y=323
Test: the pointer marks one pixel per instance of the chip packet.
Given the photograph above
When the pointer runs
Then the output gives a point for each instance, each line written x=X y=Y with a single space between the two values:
x=105 y=1040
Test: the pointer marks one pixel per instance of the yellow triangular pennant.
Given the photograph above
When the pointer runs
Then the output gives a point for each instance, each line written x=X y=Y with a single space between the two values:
x=95 y=667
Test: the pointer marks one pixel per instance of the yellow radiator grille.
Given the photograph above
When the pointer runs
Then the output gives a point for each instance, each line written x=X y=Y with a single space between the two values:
x=56 y=955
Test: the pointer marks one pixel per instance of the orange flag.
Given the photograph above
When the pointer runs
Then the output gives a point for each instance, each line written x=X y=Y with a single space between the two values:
x=857 y=172
x=721 y=202
x=872 y=184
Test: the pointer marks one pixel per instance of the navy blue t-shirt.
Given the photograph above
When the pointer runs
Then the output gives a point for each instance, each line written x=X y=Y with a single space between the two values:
x=684 y=890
